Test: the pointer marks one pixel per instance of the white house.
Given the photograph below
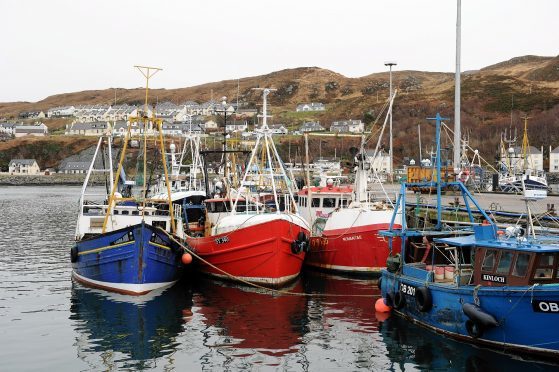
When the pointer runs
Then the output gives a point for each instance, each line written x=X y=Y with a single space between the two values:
x=515 y=160
x=312 y=126
x=23 y=166
x=96 y=128
x=278 y=129
x=347 y=126
x=8 y=128
x=37 y=129
x=60 y=111
x=313 y=106
x=233 y=127
x=120 y=112
x=554 y=160
x=381 y=163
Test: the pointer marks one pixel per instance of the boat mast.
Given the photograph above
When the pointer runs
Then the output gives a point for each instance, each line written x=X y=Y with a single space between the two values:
x=525 y=144
x=457 y=90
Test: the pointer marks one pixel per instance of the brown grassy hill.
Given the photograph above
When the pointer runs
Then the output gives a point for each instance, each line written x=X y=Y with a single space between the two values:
x=528 y=84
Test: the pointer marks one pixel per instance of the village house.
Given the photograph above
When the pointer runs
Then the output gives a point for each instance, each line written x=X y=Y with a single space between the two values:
x=32 y=115
x=61 y=111
x=37 y=129
x=90 y=113
x=192 y=108
x=554 y=160
x=8 y=128
x=96 y=128
x=347 y=126
x=278 y=129
x=120 y=112
x=380 y=163
x=236 y=126
x=75 y=167
x=313 y=106
x=311 y=126
x=24 y=166
x=247 y=112
x=515 y=158
x=210 y=125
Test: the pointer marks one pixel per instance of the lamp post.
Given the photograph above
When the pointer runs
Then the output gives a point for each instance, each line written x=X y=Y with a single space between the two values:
x=391 y=150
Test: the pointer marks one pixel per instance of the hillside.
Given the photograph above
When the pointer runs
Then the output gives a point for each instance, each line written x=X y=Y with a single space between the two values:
x=525 y=85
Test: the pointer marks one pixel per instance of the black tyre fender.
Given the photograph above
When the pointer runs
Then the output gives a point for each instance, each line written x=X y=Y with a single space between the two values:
x=389 y=300
x=423 y=299
x=399 y=300
x=295 y=249
x=474 y=329
x=74 y=254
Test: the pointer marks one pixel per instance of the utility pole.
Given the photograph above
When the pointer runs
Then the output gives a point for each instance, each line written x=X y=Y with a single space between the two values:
x=391 y=150
x=457 y=92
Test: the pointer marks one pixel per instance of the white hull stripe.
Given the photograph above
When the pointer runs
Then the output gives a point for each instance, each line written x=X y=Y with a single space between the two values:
x=345 y=268
x=258 y=280
x=124 y=287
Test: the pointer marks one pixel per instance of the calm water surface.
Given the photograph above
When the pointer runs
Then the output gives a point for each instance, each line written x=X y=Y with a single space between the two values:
x=49 y=323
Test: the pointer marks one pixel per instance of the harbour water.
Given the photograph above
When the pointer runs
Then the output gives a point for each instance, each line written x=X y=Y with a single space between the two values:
x=47 y=322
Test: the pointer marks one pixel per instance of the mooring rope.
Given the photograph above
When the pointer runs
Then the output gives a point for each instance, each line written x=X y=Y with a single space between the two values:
x=246 y=282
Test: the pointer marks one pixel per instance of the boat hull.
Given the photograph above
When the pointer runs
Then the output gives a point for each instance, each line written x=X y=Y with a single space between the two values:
x=134 y=260
x=260 y=253
x=527 y=317
x=356 y=250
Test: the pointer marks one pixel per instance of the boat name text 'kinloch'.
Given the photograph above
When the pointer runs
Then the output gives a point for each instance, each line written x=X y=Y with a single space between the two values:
x=494 y=278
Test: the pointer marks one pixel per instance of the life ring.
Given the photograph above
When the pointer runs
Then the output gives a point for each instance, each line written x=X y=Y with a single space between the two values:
x=474 y=329
x=399 y=300
x=423 y=299
x=74 y=254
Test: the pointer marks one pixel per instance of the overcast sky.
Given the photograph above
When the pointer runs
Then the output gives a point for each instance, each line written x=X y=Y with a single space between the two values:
x=55 y=46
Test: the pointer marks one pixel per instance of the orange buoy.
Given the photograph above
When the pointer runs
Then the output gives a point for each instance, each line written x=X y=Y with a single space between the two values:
x=186 y=258
x=381 y=307
x=381 y=317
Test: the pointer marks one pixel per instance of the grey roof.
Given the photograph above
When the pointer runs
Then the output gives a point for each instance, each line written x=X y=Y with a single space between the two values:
x=312 y=125
x=276 y=126
x=555 y=150
x=88 y=126
x=346 y=122
x=76 y=165
x=23 y=161
x=313 y=105
x=531 y=150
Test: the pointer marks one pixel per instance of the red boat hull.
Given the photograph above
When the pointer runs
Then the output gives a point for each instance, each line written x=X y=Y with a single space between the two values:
x=358 y=250
x=258 y=254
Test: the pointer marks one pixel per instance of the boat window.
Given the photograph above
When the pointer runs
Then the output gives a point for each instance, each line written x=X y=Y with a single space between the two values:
x=489 y=260
x=304 y=201
x=504 y=263
x=544 y=269
x=124 y=212
x=343 y=203
x=521 y=265
x=135 y=213
x=315 y=202
x=329 y=202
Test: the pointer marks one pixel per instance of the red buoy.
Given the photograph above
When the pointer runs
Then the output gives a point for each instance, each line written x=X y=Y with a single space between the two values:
x=186 y=258
x=381 y=307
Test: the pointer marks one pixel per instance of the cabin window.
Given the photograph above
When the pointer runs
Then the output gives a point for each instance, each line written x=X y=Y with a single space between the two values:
x=329 y=202
x=135 y=213
x=544 y=269
x=504 y=263
x=124 y=212
x=315 y=202
x=489 y=260
x=343 y=203
x=521 y=265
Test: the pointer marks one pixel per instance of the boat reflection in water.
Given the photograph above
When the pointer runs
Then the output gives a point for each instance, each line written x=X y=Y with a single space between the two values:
x=407 y=343
x=250 y=323
x=126 y=331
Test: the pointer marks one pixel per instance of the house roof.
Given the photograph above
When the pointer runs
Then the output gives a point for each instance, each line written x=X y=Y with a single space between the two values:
x=76 y=165
x=311 y=124
x=555 y=150
x=23 y=161
x=90 y=125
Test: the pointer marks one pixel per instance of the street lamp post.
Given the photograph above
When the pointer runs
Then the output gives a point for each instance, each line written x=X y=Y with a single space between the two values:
x=391 y=150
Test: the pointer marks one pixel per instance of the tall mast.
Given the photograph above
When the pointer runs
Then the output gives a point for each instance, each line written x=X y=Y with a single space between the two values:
x=457 y=91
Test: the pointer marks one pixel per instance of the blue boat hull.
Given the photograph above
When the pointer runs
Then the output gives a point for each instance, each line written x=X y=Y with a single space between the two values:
x=134 y=260
x=527 y=317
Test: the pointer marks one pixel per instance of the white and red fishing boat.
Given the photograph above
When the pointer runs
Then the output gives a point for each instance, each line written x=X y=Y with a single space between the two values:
x=263 y=239
x=347 y=239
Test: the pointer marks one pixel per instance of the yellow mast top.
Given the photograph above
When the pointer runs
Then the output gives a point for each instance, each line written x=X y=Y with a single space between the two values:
x=525 y=143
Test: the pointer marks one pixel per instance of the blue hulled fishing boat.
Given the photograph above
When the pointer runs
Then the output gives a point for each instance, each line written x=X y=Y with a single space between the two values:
x=479 y=284
x=123 y=236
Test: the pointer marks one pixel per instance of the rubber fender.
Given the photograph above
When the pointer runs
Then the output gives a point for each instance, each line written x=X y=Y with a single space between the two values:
x=399 y=300
x=477 y=315
x=295 y=249
x=74 y=254
x=389 y=299
x=474 y=329
x=423 y=299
